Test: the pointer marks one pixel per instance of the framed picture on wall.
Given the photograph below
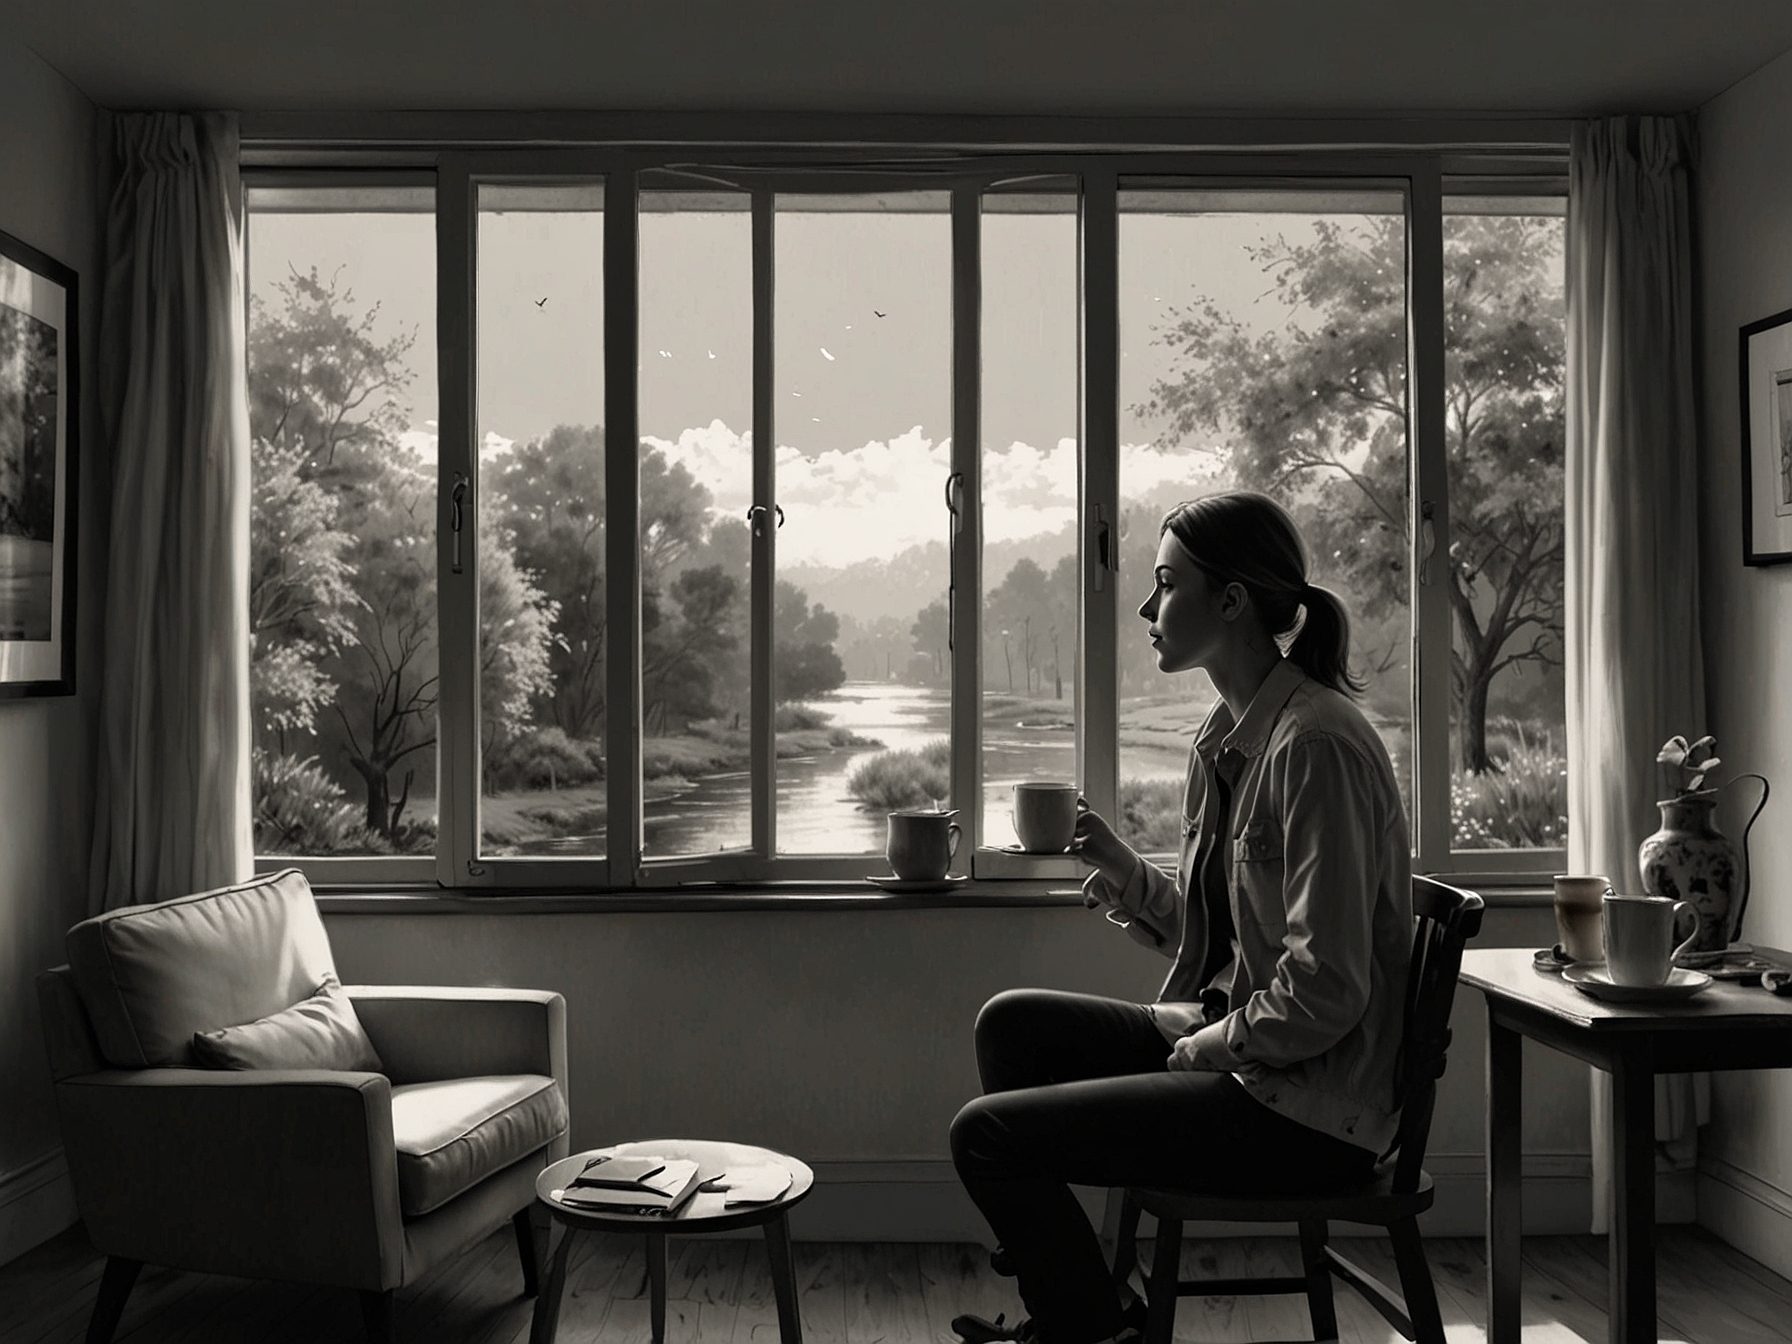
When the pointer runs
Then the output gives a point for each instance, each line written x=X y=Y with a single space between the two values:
x=1767 y=440
x=39 y=411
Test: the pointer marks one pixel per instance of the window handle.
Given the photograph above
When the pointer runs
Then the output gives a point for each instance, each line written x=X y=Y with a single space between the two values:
x=954 y=489
x=756 y=516
x=1427 y=540
x=456 y=499
x=1104 y=548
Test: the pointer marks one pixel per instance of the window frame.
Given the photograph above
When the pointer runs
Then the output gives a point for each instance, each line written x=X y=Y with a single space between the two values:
x=1424 y=175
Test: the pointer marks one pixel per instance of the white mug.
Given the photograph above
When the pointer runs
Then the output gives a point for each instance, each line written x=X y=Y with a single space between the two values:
x=1639 y=938
x=1045 y=816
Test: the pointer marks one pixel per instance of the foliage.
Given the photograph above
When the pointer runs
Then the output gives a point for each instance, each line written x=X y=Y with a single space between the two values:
x=1692 y=761
x=1521 y=802
x=803 y=638
x=1316 y=414
x=1151 y=814
x=29 y=397
x=931 y=633
x=300 y=810
x=542 y=758
x=1029 y=619
x=903 y=778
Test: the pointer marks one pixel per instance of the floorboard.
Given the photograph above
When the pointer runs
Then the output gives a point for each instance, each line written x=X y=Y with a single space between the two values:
x=719 y=1291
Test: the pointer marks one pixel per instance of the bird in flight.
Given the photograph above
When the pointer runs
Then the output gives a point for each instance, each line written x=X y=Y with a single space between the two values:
x=875 y=313
x=541 y=302
x=824 y=351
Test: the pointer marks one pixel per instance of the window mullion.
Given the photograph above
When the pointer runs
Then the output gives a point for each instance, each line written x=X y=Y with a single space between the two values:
x=1098 y=508
x=622 y=524
x=763 y=694
x=1429 y=520
x=964 y=495
x=457 y=531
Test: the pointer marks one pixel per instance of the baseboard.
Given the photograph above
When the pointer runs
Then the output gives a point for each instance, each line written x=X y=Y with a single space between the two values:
x=1753 y=1215
x=922 y=1200
x=36 y=1202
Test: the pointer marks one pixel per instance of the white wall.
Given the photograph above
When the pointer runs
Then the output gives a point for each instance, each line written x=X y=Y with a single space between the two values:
x=844 y=1037
x=1744 y=218
x=47 y=199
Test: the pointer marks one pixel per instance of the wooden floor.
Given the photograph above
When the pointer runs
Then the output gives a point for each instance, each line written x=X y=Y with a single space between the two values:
x=885 y=1293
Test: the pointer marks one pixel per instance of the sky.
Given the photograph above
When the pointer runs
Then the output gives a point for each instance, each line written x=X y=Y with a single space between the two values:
x=862 y=311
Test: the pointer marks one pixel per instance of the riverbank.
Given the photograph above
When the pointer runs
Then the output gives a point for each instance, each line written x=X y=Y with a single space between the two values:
x=524 y=820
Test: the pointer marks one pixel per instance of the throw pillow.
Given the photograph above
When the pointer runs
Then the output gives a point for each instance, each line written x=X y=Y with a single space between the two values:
x=322 y=1032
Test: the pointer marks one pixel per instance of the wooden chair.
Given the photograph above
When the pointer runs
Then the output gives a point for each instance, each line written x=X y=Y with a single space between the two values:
x=1399 y=1191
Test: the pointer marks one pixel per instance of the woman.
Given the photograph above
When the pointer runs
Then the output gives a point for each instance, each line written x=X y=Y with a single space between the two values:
x=1267 y=1062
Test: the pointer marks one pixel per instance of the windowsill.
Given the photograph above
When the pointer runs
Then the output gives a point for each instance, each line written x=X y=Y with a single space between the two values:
x=789 y=896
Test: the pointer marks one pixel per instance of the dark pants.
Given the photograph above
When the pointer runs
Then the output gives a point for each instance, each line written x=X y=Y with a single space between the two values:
x=1076 y=1092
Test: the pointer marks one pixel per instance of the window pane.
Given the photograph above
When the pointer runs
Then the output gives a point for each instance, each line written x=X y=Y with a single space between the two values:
x=1030 y=586
x=1263 y=346
x=1504 y=353
x=342 y=397
x=696 y=392
x=541 y=541
x=862 y=406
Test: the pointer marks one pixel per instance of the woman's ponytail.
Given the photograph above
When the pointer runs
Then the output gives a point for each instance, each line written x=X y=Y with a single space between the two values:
x=1321 y=646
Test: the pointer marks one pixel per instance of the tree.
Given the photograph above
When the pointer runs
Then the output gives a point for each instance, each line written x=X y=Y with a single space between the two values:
x=1316 y=413
x=932 y=634
x=680 y=666
x=28 y=401
x=803 y=642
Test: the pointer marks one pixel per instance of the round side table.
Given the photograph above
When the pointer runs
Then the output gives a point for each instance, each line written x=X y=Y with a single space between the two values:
x=706 y=1211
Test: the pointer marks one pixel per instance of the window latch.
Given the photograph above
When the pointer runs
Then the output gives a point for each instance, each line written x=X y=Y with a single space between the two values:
x=954 y=486
x=1104 y=548
x=456 y=499
x=756 y=516
x=1427 y=540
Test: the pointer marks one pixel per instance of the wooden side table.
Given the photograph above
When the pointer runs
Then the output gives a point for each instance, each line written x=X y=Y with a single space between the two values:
x=706 y=1211
x=1728 y=1026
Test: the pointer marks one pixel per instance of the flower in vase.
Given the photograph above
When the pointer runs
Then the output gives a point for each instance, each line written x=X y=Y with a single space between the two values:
x=1692 y=760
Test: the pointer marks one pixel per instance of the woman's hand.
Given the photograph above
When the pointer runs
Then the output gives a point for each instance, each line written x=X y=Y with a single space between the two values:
x=1095 y=843
x=1203 y=1051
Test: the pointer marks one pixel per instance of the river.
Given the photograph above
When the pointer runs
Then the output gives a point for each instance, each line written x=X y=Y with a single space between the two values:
x=816 y=814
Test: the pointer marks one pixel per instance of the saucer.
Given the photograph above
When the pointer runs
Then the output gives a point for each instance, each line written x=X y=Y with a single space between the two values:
x=1593 y=980
x=890 y=882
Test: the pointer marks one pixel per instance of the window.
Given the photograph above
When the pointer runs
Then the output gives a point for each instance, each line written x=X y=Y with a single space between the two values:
x=903 y=434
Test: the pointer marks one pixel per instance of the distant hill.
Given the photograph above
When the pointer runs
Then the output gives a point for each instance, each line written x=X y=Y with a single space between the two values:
x=902 y=585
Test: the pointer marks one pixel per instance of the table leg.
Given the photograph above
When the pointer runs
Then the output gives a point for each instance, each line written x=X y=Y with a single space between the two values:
x=656 y=1283
x=1632 y=1236
x=777 y=1248
x=1505 y=1180
x=547 y=1302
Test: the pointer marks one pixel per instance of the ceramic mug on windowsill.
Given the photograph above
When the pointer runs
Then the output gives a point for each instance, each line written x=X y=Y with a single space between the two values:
x=1045 y=816
x=921 y=843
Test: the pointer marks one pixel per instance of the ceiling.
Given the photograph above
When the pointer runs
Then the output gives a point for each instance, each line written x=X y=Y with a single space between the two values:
x=1292 y=57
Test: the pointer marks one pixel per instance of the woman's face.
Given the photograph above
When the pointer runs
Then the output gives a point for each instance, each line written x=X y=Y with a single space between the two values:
x=1185 y=610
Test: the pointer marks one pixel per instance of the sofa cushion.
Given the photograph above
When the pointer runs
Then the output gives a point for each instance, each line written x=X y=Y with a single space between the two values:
x=151 y=976
x=321 y=1032
x=451 y=1135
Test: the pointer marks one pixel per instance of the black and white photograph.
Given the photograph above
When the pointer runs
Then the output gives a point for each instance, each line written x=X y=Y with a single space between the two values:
x=1766 y=359
x=36 y=471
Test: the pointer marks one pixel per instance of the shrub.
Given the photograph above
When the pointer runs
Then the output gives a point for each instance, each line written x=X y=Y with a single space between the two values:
x=543 y=758
x=1151 y=814
x=301 y=810
x=794 y=718
x=1522 y=803
x=897 y=779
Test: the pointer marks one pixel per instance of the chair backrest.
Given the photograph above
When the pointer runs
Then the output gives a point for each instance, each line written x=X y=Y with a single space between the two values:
x=1446 y=918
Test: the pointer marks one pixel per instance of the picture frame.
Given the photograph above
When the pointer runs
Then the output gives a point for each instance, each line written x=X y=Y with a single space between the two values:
x=40 y=408
x=1766 y=361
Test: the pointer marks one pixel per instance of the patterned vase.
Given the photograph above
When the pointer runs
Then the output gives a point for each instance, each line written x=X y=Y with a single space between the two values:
x=1689 y=859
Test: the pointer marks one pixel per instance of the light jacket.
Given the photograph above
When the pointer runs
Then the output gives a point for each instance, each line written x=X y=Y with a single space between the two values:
x=1319 y=879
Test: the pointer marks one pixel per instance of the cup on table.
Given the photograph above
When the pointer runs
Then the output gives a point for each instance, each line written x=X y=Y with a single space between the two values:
x=921 y=843
x=1045 y=816
x=1639 y=937
x=1578 y=914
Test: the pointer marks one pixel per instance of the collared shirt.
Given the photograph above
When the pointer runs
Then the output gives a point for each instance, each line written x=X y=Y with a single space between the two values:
x=1320 y=897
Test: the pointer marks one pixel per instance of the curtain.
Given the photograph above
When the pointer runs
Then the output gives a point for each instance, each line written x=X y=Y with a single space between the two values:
x=1635 y=672
x=172 y=796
